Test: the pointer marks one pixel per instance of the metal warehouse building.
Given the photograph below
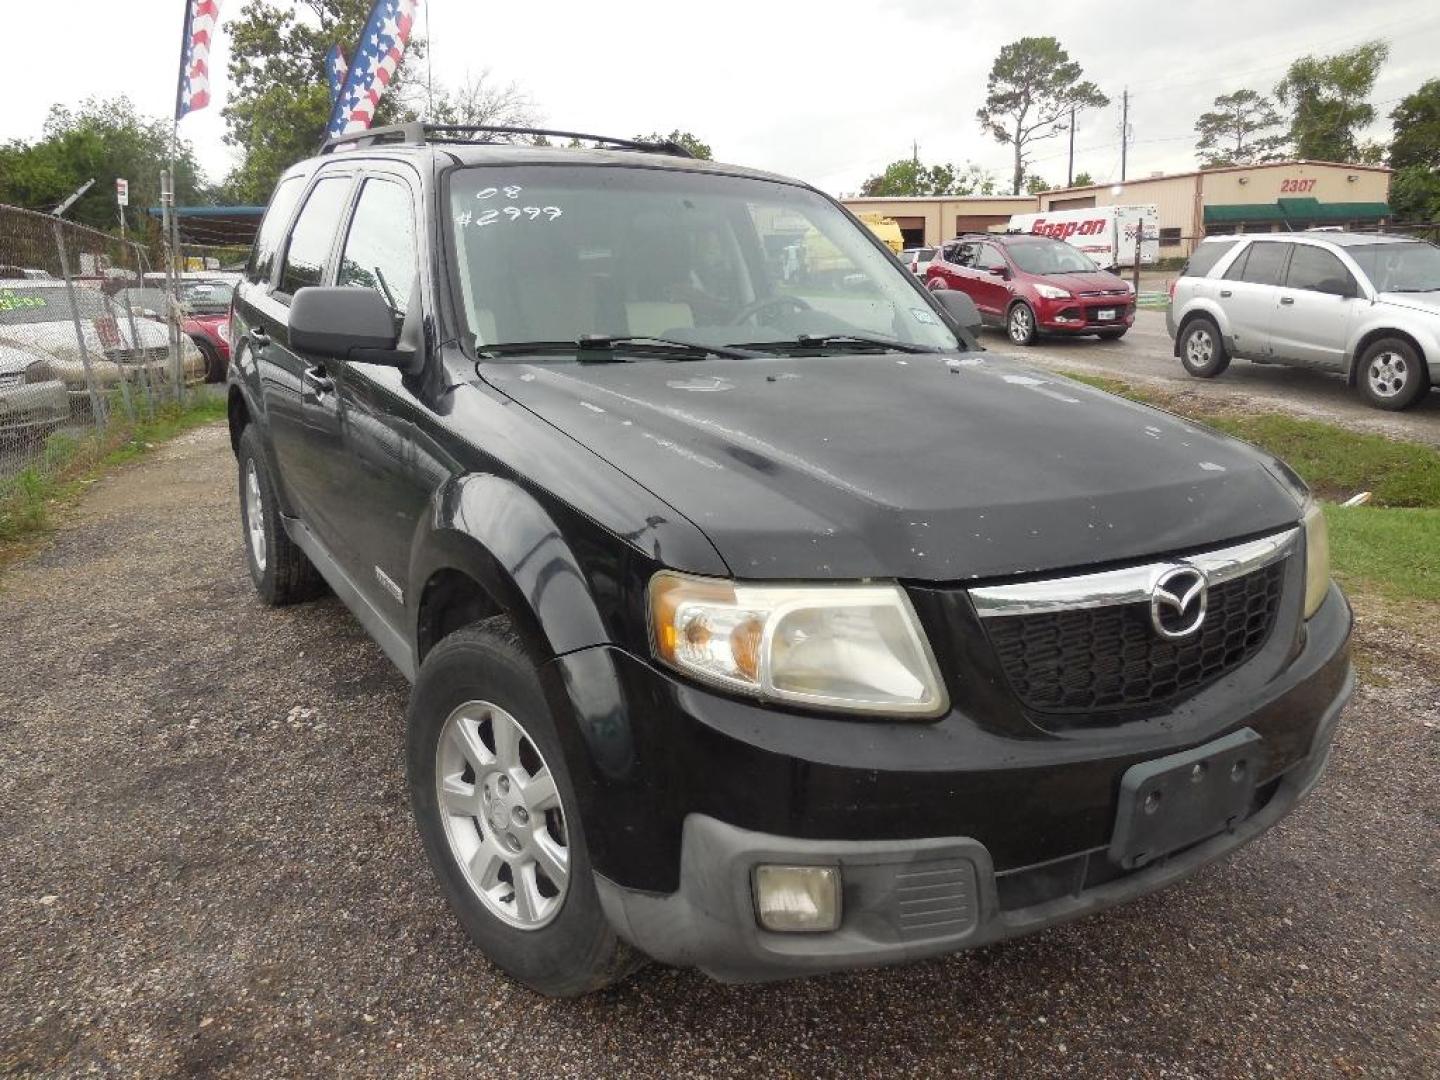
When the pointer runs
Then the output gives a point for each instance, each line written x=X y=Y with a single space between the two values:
x=1278 y=195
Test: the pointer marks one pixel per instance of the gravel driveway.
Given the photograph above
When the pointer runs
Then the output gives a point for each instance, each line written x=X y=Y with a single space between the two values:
x=209 y=868
x=1144 y=357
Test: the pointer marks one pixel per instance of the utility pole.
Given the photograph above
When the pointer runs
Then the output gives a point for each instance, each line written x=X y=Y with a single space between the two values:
x=1124 y=130
x=1070 y=168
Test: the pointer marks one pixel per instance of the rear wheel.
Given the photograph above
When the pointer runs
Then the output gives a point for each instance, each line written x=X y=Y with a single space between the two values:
x=497 y=815
x=1202 y=352
x=1020 y=325
x=936 y=284
x=281 y=572
x=1391 y=374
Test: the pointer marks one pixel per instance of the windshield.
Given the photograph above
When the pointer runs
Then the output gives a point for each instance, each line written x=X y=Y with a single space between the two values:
x=1049 y=257
x=1408 y=267
x=552 y=253
x=21 y=305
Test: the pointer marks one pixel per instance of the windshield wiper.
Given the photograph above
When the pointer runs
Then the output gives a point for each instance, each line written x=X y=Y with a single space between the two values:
x=1425 y=288
x=608 y=349
x=821 y=341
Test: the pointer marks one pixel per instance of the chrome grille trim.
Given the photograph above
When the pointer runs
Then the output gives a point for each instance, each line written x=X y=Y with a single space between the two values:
x=1127 y=585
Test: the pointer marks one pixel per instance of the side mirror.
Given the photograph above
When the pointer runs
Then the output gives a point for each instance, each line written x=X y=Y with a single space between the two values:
x=960 y=308
x=346 y=323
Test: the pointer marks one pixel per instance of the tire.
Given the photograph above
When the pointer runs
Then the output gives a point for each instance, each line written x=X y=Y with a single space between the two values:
x=281 y=572
x=214 y=366
x=475 y=684
x=1111 y=335
x=1020 y=325
x=936 y=284
x=1202 y=350
x=1391 y=374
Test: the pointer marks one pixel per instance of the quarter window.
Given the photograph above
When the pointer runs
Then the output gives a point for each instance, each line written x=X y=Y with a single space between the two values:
x=1317 y=270
x=1263 y=264
x=313 y=234
x=272 y=229
x=380 y=247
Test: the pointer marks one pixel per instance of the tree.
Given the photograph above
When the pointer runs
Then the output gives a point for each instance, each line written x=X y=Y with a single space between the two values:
x=1033 y=85
x=1233 y=132
x=279 y=104
x=1326 y=96
x=100 y=140
x=690 y=142
x=479 y=100
x=1034 y=185
x=1082 y=179
x=1417 y=129
x=908 y=177
x=1415 y=194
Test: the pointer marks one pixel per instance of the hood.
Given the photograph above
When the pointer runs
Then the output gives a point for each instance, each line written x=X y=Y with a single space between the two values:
x=1097 y=281
x=15 y=361
x=1427 y=302
x=923 y=467
x=57 y=339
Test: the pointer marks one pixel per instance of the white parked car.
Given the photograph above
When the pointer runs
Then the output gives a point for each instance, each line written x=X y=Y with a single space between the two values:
x=918 y=259
x=1358 y=303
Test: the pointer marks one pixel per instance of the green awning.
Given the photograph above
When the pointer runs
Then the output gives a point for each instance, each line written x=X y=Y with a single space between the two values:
x=1295 y=212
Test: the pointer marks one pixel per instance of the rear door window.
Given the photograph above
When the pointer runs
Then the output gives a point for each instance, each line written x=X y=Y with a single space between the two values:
x=1263 y=264
x=1203 y=259
x=272 y=229
x=1317 y=270
x=314 y=234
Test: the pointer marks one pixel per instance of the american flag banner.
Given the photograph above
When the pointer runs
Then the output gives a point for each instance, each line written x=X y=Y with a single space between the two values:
x=202 y=18
x=377 y=57
x=335 y=71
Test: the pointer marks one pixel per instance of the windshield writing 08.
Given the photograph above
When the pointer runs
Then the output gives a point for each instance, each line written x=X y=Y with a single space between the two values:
x=557 y=253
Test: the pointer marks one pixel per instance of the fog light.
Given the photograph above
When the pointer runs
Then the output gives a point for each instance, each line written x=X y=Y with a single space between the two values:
x=798 y=898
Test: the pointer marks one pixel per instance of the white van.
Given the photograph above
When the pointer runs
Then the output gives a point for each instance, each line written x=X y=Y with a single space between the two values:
x=1105 y=233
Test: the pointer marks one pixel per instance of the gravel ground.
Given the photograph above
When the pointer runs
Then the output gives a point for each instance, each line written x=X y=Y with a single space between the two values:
x=210 y=869
x=1144 y=357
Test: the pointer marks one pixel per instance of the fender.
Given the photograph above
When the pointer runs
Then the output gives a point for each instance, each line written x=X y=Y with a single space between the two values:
x=491 y=529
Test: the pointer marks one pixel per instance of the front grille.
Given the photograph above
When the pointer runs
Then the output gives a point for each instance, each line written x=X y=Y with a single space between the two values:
x=1088 y=659
x=1092 y=313
x=149 y=355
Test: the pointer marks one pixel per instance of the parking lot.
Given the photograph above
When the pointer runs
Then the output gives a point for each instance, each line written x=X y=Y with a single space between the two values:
x=210 y=866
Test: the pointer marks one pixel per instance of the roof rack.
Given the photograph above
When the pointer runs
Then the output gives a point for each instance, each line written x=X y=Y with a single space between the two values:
x=419 y=134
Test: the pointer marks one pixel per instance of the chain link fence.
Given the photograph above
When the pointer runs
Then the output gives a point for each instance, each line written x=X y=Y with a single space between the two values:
x=94 y=339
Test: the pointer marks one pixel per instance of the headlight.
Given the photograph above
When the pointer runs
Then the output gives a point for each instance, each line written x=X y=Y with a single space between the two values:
x=1051 y=292
x=857 y=648
x=1317 y=558
x=222 y=331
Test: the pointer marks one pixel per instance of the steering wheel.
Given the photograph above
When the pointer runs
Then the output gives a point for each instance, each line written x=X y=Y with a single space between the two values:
x=749 y=311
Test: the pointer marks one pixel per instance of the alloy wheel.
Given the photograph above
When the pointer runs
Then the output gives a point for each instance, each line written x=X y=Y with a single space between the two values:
x=1388 y=373
x=1199 y=347
x=1020 y=324
x=255 y=515
x=503 y=819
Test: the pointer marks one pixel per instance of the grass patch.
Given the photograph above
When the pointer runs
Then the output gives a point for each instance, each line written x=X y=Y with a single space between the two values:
x=1391 y=552
x=1334 y=461
x=28 y=498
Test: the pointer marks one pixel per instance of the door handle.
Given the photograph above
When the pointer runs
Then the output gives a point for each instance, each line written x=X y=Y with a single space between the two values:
x=319 y=379
x=1226 y=292
x=259 y=338
x=1287 y=299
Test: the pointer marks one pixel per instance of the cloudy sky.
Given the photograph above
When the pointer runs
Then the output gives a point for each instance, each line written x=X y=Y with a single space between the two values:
x=828 y=92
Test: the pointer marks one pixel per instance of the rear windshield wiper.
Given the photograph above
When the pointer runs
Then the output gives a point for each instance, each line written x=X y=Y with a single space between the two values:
x=608 y=349
x=822 y=341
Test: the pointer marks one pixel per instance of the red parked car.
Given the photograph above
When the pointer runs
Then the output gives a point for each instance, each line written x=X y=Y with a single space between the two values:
x=1033 y=285
x=207 y=316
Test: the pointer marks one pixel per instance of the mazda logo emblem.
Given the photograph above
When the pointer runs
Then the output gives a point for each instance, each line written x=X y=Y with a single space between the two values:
x=1177 y=602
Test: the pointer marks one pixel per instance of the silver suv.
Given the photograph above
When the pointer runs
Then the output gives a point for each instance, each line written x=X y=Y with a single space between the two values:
x=1363 y=304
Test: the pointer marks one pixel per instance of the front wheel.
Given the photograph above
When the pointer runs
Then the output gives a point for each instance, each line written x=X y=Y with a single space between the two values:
x=497 y=815
x=1391 y=374
x=1202 y=353
x=1020 y=325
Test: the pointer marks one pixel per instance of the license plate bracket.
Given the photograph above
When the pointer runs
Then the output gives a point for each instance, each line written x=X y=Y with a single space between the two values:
x=1105 y=315
x=1178 y=800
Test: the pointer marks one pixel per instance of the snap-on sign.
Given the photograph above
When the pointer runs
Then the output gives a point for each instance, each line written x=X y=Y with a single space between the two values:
x=1063 y=230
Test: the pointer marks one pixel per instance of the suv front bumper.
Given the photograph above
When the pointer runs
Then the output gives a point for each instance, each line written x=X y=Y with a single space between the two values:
x=902 y=900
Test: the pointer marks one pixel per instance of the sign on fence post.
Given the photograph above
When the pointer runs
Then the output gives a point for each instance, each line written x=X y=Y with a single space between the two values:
x=97 y=404
x=122 y=200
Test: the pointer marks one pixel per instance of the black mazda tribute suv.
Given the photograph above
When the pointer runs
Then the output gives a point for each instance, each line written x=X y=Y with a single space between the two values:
x=758 y=620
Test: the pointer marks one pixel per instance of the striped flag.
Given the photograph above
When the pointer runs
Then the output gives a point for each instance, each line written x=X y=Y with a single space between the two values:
x=202 y=19
x=377 y=57
x=335 y=71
